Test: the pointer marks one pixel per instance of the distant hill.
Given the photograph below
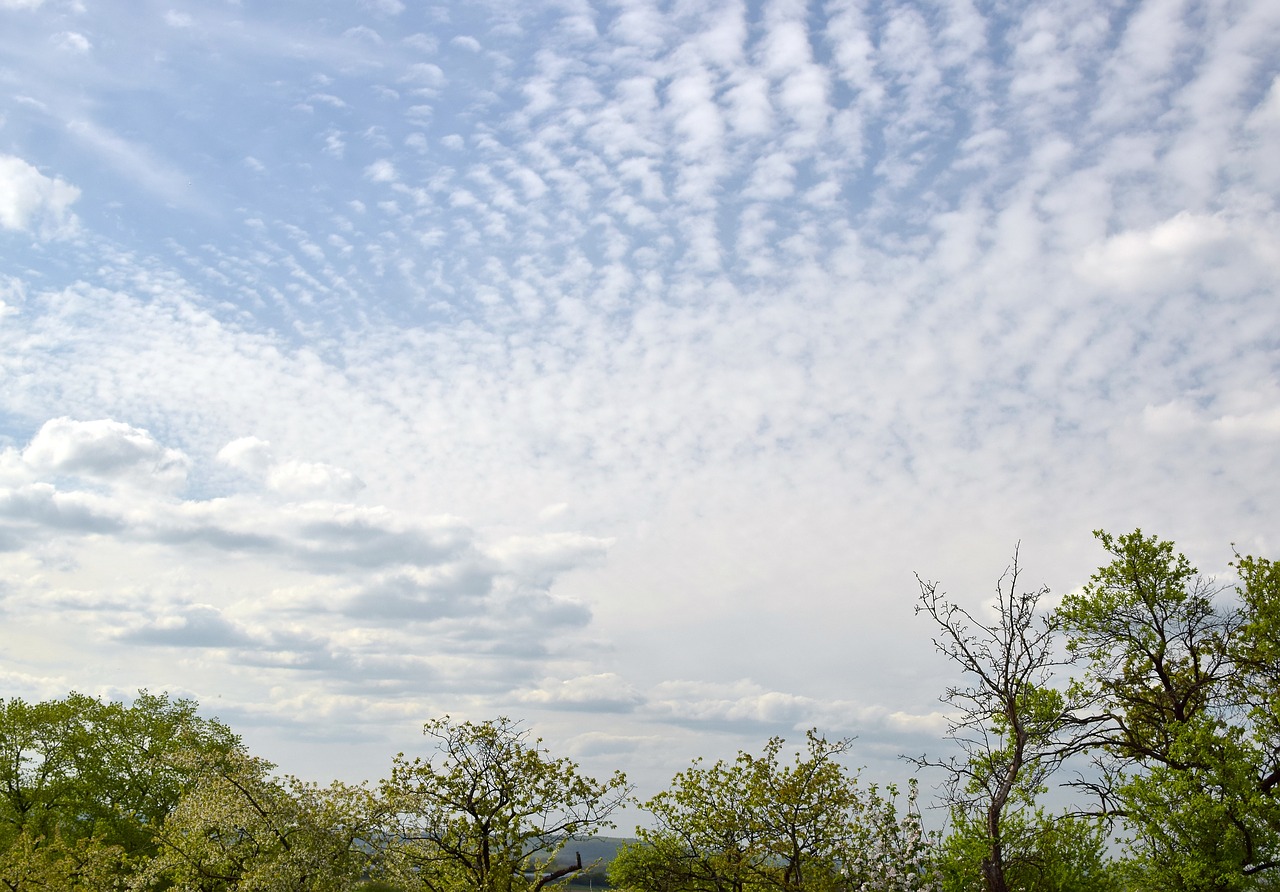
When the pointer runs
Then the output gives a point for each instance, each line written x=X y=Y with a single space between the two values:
x=596 y=848
x=603 y=848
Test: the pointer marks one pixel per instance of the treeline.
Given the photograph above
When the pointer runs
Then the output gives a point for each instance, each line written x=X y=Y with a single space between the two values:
x=1151 y=697
x=151 y=796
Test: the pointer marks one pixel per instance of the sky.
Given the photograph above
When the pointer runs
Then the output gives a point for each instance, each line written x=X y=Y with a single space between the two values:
x=613 y=366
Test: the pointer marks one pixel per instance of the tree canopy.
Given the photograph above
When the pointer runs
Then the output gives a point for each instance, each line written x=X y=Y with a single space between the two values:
x=1181 y=685
x=760 y=823
x=490 y=809
x=1150 y=696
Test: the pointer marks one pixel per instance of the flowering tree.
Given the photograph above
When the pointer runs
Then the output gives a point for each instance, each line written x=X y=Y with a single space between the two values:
x=241 y=827
x=892 y=852
x=759 y=824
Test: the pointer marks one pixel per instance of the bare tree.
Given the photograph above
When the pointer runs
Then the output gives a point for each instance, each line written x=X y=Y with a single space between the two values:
x=1008 y=720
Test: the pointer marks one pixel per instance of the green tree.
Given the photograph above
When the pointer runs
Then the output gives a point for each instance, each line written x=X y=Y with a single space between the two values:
x=32 y=863
x=1181 y=684
x=759 y=823
x=658 y=862
x=1255 y=655
x=240 y=827
x=1010 y=723
x=1045 y=853
x=79 y=768
x=135 y=762
x=40 y=749
x=490 y=810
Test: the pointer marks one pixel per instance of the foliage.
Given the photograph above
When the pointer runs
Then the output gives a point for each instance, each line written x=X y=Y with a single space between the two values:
x=1008 y=721
x=759 y=824
x=91 y=781
x=1182 y=688
x=891 y=852
x=241 y=828
x=1043 y=853
x=1177 y=704
x=55 y=864
x=490 y=811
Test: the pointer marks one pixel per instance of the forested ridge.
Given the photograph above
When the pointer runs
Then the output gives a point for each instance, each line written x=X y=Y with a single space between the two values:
x=1151 y=696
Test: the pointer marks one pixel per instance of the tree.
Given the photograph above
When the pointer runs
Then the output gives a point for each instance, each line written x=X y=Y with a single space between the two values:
x=490 y=810
x=658 y=862
x=1009 y=721
x=1181 y=683
x=32 y=863
x=239 y=827
x=39 y=783
x=760 y=824
x=79 y=768
x=1255 y=655
x=1048 y=853
x=135 y=762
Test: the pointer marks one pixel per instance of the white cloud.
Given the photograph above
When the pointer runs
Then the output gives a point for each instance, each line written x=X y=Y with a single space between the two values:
x=33 y=202
x=199 y=625
x=12 y=295
x=248 y=454
x=605 y=691
x=72 y=42
x=1175 y=418
x=785 y=300
x=313 y=480
x=381 y=171
x=386 y=7
x=1158 y=258
x=1265 y=423
x=105 y=450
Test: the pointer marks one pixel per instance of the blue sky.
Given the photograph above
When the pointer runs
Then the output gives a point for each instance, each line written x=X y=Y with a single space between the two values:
x=612 y=365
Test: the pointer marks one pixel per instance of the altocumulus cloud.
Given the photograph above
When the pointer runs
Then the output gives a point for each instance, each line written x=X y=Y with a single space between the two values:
x=614 y=360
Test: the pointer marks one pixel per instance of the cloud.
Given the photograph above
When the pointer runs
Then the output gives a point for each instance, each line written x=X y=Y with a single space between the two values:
x=39 y=506
x=291 y=479
x=32 y=202
x=199 y=625
x=12 y=295
x=135 y=161
x=248 y=454
x=1158 y=258
x=382 y=171
x=545 y=556
x=385 y=7
x=602 y=692
x=312 y=480
x=1264 y=423
x=105 y=450
x=326 y=537
x=72 y=42
x=448 y=591
x=785 y=301
x=1258 y=418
